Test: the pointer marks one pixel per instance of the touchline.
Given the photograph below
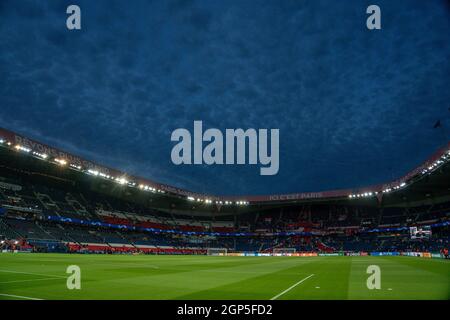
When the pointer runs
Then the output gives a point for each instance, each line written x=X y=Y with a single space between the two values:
x=235 y=152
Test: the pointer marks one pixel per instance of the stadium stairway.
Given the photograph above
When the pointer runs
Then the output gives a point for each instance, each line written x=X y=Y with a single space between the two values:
x=47 y=202
x=45 y=231
x=7 y=231
x=78 y=207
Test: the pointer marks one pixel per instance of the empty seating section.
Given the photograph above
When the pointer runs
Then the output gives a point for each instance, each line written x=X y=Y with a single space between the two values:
x=341 y=227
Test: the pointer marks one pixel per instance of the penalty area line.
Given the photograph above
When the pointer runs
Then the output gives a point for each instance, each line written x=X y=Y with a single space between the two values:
x=291 y=287
x=19 y=297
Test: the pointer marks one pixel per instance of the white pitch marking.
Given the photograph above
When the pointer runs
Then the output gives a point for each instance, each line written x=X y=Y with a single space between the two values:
x=390 y=289
x=14 y=281
x=20 y=297
x=317 y=287
x=291 y=287
x=36 y=274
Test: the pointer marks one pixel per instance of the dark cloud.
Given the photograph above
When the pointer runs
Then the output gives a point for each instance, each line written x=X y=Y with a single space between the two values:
x=353 y=107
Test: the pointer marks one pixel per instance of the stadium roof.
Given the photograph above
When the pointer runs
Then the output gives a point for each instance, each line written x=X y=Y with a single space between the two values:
x=47 y=153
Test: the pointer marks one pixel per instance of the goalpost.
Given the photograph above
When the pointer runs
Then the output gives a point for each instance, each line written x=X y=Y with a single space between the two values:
x=217 y=252
x=283 y=251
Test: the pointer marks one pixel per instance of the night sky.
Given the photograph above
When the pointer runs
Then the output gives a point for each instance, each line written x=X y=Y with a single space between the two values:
x=354 y=107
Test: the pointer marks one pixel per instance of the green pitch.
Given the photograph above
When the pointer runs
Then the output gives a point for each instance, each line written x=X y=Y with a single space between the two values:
x=43 y=276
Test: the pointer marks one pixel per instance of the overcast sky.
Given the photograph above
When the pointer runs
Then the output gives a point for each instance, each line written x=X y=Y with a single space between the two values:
x=354 y=107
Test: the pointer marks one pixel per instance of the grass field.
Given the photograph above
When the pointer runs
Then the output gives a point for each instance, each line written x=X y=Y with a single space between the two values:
x=43 y=276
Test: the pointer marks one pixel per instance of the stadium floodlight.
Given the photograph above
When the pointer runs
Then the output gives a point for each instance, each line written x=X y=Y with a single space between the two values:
x=191 y=198
x=21 y=148
x=41 y=155
x=121 y=180
x=2 y=141
x=93 y=172
x=61 y=162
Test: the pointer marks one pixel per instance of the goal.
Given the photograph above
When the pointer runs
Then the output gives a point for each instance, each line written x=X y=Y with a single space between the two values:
x=283 y=251
x=216 y=252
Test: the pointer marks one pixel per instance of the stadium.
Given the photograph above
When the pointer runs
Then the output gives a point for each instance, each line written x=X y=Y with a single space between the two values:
x=215 y=158
x=166 y=243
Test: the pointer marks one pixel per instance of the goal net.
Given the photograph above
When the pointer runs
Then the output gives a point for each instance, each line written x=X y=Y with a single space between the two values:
x=282 y=251
x=216 y=252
